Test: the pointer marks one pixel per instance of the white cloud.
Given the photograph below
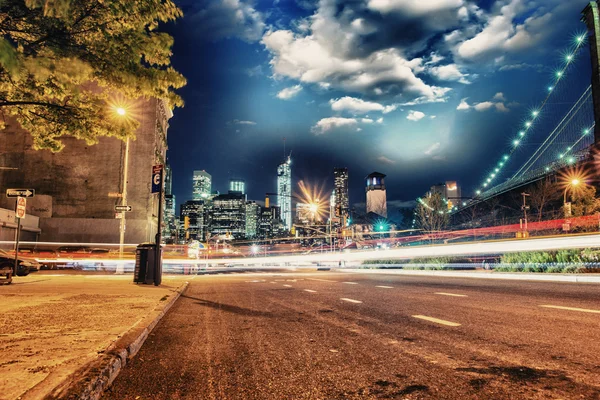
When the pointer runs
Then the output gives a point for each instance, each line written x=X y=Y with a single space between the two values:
x=289 y=92
x=496 y=103
x=414 y=7
x=228 y=19
x=415 y=115
x=485 y=105
x=379 y=120
x=328 y=124
x=499 y=96
x=463 y=105
x=432 y=149
x=449 y=72
x=242 y=122
x=518 y=26
x=386 y=160
x=366 y=120
x=359 y=106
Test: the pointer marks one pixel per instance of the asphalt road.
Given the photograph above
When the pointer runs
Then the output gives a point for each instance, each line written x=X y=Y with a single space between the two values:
x=359 y=336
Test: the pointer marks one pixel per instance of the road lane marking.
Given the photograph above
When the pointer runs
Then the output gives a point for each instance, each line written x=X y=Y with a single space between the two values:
x=350 y=300
x=451 y=294
x=385 y=287
x=287 y=285
x=351 y=283
x=321 y=280
x=572 y=309
x=310 y=291
x=437 y=321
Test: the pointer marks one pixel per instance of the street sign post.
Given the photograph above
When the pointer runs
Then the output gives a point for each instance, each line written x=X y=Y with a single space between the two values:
x=19 y=213
x=122 y=208
x=157 y=187
x=20 y=192
x=157 y=176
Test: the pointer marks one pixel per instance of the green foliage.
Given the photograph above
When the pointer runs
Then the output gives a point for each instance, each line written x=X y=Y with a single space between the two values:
x=65 y=64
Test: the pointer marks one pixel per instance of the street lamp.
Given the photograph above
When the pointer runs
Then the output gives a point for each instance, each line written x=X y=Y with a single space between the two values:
x=122 y=112
x=570 y=184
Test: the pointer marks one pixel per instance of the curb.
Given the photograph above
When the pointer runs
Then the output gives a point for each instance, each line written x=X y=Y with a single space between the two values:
x=90 y=381
x=576 y=278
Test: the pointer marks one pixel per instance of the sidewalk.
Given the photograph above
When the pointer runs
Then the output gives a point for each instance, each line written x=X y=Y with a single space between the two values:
x=482 y=274
x=52 y=325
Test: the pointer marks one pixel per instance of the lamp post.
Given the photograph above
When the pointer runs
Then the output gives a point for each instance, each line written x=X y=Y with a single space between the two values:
x=572 y=183
x=121 y=112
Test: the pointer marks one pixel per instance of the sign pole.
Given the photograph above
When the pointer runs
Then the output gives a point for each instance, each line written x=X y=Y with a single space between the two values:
x=158 y=187
x=17 y=235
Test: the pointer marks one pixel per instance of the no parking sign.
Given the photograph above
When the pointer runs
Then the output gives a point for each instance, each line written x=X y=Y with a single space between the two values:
x=157 y=176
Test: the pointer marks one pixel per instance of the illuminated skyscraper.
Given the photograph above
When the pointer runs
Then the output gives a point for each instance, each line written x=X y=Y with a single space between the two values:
x=342 y=201
x=284 y=192
x=237 y=185
x=201 y=185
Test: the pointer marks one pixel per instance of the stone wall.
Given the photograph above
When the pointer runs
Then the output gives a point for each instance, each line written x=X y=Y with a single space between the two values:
x=72 y=186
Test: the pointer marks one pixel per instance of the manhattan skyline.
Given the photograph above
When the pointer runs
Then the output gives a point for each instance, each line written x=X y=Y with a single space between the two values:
x=439 y=103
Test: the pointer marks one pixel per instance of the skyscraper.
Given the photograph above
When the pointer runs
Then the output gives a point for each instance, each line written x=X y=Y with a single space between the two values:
x=376 y=195
x=201 y=185
x=342 y=201
x=284 y=192
x=237 y=185
x=228 y=215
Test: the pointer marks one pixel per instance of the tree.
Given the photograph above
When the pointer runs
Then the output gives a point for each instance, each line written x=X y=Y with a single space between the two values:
x=585 y=201
x=62 y=62
x=541 y=194
x=432 y=213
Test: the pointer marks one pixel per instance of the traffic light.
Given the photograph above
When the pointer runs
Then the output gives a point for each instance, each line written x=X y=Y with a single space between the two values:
x=186 y=222
x=293 y=230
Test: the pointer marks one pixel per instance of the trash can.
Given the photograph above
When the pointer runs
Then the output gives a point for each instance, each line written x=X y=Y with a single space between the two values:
x=145 y=255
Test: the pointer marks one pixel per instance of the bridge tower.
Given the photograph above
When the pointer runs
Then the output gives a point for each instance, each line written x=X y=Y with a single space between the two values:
x=592 y=20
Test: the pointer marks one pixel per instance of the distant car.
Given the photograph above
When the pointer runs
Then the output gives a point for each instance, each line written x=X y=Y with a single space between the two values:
x=24 y=265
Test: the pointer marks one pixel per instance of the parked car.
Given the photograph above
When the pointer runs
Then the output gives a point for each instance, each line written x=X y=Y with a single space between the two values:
x=24 y=266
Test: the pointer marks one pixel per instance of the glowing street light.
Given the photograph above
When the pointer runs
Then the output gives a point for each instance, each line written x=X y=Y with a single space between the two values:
x=121 y=111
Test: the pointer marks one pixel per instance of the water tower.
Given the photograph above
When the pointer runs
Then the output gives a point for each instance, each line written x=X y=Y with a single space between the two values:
x=376 y=197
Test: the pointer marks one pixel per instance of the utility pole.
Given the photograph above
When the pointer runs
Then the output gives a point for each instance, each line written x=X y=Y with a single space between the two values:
x=525 y=207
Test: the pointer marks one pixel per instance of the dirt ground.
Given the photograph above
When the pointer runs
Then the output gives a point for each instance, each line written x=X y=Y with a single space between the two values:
x=52 y=324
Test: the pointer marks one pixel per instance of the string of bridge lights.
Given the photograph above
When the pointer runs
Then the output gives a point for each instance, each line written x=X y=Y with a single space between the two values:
x=527 y=126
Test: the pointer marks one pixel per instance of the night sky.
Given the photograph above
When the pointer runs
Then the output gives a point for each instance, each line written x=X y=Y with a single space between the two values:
x=422 y=90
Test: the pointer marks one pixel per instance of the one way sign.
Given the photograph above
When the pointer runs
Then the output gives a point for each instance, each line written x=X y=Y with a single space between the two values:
x=20 y=192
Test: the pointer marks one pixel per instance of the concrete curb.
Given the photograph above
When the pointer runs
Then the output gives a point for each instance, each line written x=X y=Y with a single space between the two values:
x=577 y=278
x=90 y=381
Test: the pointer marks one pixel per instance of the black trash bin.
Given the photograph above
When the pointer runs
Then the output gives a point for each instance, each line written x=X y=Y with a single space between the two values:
x=145 y=264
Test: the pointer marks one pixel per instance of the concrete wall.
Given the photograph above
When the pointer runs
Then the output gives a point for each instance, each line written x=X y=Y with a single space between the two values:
x=72 y=186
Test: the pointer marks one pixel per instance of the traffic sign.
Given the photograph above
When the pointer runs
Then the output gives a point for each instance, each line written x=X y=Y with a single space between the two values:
x=114 y=194
x=119 y=215
x=21 y=205
x=20 y=192
x=157 y=176
x=122 y=208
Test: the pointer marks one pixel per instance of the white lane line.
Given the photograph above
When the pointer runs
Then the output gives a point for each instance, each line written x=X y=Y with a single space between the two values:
x=437 y=321
x=287 y=285
x=350 y=300
x=320 y=280
x=351 y=283
x=385 y=287
x=572 y=309
x=451 y=294
x=310 y=291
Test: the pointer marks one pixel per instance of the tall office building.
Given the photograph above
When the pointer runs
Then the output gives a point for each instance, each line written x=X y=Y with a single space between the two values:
x=228 y=215
x=252 y=217
x=201 y=185
x=332 y=206
x=342 y=201
x=192 y=218
x=284 y=192
x=450 y=192
x=169 y=234
x=376 y=195
x=168 y=180
x=237 y=185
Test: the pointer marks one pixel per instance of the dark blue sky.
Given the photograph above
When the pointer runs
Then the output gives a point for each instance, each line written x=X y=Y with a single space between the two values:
x=423 y=91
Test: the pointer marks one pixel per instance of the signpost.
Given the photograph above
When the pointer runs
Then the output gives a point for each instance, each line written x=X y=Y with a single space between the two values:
x=20 y=213
x=122 y=208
